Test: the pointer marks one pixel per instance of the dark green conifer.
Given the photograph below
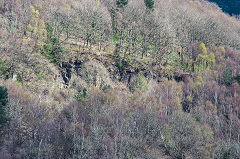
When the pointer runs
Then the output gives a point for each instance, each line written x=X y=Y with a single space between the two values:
x=3 y=103
x=149 y=4
x=121 y=3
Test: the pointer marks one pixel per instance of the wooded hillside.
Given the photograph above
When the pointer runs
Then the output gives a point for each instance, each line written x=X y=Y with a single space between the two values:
x=118 y=79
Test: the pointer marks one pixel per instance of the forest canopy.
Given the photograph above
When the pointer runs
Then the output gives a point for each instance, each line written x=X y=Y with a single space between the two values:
x=119 y=79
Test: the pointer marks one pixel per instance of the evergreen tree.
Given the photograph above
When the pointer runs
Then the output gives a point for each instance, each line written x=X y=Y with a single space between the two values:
x=52 y=48
x=149 y=4
x=227 y=77
x=121 y=3
x=3 y=102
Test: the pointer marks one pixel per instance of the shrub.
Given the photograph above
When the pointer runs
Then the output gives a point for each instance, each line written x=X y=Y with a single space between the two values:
x=81 y=96
x=3 y=70
x=229 y=53
x=19 y=78
x=237 y=78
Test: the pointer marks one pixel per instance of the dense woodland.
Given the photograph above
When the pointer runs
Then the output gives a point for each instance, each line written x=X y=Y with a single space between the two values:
x=118 y=79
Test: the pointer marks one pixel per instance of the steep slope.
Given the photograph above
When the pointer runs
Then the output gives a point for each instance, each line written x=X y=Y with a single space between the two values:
x=119 y=79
